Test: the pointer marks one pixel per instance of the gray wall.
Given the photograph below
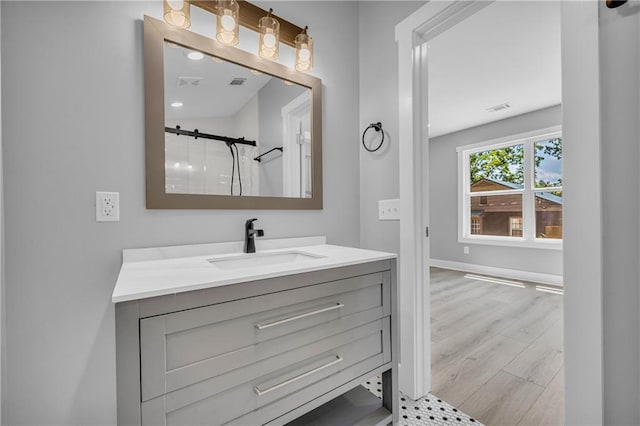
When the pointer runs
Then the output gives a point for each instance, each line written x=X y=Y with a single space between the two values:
x=379 y=102
x=620 y=95
x=73 y=103
x=78 y=66
x=271 y=98
x=443 y=182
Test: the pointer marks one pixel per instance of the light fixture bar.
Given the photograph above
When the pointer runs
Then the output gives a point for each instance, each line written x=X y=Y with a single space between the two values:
x=250 y=15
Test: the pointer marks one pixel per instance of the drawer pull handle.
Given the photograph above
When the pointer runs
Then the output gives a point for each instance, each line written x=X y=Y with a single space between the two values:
x=296 y=378
x=297 y=317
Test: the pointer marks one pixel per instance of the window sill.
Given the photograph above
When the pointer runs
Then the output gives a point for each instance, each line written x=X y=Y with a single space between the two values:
x=539 y=243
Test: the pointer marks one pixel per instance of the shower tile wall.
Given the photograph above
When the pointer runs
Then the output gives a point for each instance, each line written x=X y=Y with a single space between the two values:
x=203 y=166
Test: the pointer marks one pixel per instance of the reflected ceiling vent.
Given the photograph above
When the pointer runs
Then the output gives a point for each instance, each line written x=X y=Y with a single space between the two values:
x=500 y=107
x=189 y=81
x=238 y=81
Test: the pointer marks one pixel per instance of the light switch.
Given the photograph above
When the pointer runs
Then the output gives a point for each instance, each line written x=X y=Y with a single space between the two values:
x=389 y=209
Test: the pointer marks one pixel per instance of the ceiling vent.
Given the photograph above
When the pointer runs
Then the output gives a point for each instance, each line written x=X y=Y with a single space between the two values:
x=189 y=81
x=238 y=81
x=500 y=107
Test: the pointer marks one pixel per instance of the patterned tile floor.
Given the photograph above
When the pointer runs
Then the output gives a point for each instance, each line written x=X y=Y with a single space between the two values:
x=429 y=410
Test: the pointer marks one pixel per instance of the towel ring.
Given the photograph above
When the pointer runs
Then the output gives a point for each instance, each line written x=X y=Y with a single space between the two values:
x=378 y=127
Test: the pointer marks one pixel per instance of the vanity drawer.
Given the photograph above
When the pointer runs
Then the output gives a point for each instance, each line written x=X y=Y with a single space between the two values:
x=269 y=388
x=186 y=347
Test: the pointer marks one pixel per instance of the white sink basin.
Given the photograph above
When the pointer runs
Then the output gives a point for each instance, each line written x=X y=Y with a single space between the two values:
x=242 y=261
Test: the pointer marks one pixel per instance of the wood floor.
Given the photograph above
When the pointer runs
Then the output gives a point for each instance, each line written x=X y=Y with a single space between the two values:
x=497 y=350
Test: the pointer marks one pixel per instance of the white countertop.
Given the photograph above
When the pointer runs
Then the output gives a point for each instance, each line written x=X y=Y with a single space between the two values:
x=168 y=270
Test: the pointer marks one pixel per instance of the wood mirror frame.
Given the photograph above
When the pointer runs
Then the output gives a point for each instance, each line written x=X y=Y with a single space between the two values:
x=156 y=32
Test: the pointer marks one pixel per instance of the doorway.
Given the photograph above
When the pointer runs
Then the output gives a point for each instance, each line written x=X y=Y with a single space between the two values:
x=296 y=154
x=495 y=196
x=580 y=124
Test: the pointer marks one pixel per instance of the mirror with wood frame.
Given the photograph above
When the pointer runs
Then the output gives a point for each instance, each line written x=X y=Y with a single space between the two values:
x=226 y=129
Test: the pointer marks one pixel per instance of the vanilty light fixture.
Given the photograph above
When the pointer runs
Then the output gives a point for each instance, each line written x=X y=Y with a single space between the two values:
x=271 y=30
x=177 y=13
x=228 y=22
x=269 y=42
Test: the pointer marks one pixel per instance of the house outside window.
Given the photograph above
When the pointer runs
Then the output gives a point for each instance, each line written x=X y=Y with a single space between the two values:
x=511 y=191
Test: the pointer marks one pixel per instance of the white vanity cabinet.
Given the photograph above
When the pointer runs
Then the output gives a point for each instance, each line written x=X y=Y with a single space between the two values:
x=260 y=352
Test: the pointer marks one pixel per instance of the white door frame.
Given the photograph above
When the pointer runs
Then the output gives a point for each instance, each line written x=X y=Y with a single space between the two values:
x=582 y=255
x=291 y=161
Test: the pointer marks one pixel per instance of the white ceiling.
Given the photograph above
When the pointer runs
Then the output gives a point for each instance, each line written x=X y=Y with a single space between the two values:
x=213 y=97
x=507 y=52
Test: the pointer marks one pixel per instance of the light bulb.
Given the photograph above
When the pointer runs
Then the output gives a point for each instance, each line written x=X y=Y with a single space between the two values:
x=268 y=52
x=227 y=32
x=177 y=19
x=227 y=38
x=228 y=23
x=269 y=29
x=304 y=51
x=303 y=66
x=304 y=54
x=177 y=13
x=176 y=4
x=269 y=40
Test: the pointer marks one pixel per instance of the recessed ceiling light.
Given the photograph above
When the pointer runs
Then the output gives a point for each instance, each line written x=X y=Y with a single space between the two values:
x=195 y=56
x=177 y=104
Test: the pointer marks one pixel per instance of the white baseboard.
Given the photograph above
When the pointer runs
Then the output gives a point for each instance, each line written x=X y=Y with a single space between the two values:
x=535 y=277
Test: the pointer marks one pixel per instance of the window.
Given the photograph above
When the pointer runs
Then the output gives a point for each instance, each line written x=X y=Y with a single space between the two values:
x=511 y=191
x=476 y=225
x=515 y=226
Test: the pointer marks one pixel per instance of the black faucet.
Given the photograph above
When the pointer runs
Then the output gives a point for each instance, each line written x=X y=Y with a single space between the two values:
x=249 y=236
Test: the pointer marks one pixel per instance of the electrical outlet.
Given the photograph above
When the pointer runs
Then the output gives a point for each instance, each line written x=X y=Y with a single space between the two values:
x=389 y=209
x=107 y=206
x=465 y=250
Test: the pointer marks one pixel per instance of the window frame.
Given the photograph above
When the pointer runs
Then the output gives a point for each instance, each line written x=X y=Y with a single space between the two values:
x=528 y=191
